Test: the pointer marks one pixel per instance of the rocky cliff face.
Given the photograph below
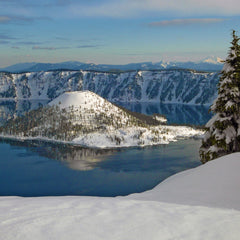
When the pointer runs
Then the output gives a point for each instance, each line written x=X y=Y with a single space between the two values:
x=167 y=86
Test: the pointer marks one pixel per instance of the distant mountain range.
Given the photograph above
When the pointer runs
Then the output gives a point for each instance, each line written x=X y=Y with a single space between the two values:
x=212 y=64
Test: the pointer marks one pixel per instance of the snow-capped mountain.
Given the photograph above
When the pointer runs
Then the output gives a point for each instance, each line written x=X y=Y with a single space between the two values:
x=208 y=64
x=84 y=118
x=166 y=86
x=213 y=60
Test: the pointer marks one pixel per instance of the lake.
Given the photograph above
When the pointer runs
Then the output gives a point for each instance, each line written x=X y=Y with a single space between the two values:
x=45 y=169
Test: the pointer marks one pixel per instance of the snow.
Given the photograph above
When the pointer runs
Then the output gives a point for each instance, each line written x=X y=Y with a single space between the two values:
x=167 y=86
x=130 y=137
x=213 y=60
x=214 y=184
x=78 y=98
x=135 y=136
x=230 y=134
x=227 y=68
x=202 y=203
x=160 y=119
x=87 y=106
x=215 y=118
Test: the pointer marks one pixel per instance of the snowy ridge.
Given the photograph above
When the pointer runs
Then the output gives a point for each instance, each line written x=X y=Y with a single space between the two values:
x=87 y=119
x=166 y=86
x=145 y=217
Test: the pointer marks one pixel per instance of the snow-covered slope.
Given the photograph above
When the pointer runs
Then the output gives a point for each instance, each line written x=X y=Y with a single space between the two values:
x=87 y=119
x=214 y=184
x=86 y=99
x=64 y=218
x=167 y=86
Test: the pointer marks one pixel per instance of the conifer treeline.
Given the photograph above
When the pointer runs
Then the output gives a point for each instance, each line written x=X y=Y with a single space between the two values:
x=223 y=130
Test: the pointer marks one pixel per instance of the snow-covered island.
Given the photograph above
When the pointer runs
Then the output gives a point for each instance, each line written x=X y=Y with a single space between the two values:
x=201 y=203
x=85 y=118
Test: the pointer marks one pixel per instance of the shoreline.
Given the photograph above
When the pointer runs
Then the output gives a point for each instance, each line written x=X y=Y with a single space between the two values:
x=76 y=144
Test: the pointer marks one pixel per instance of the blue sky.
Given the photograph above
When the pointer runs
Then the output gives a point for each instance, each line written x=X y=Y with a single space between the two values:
x=115 y=32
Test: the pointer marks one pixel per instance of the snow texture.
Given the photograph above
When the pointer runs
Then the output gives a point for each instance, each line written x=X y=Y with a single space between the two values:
x=214 y=184
x=166 y=86
x=212 y=188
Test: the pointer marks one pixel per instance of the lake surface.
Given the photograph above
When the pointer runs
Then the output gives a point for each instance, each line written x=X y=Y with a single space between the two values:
x=45 y=169
x=175 y=113
x=41 y=169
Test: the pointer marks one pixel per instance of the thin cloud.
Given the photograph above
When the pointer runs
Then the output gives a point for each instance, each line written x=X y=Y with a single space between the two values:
x=13 y=1
x=36 y=47
x=185 y=22
x=5 y=19
x=18 y=19
x=62 y=38
x=24 y=3
x=133 y=8
x=4 y=42
x=28 y=43
x=89 y=46
x=63 y=2
x=43 y=48
x=48 y=48
x=6 y=37
x=116 y=8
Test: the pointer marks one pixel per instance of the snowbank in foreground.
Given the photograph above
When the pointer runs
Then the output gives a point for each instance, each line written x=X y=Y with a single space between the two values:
x=139 y=216
x=74 y=218
x=214 y=184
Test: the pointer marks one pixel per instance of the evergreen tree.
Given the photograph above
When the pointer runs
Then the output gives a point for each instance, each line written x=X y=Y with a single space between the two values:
x=223 y=130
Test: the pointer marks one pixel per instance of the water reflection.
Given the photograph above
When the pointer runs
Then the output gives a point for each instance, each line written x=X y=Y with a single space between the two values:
x=30 y=168
x=10 y=108
x=171 y=157
x=27 y=168
x=75 y=157
x=175 y=113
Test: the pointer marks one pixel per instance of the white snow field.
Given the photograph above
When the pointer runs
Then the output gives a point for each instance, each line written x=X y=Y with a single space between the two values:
x=206 y=207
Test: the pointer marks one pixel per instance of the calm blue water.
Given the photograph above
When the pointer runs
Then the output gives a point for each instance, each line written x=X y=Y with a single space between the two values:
x=44 y=169
x=175 y=113
x=40 y=169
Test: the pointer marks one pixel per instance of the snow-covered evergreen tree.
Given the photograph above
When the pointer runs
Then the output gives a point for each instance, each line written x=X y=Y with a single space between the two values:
x=223 y=130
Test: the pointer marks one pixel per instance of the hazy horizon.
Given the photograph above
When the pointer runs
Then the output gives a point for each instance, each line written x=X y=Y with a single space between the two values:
x=115 y=32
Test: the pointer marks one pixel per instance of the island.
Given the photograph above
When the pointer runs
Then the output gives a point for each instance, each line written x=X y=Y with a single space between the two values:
x=86 y=119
